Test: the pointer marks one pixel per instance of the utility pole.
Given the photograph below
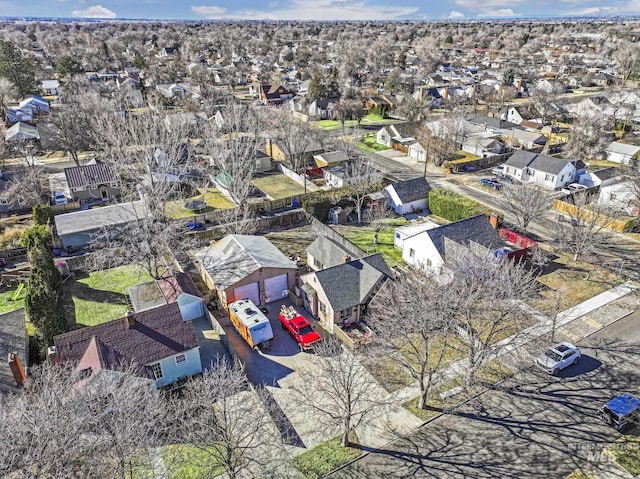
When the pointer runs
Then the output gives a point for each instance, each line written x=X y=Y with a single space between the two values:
x=426 y=159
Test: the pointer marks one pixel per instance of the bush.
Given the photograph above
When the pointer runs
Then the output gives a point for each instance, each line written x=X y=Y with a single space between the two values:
x=42 y=215
x=452 y=206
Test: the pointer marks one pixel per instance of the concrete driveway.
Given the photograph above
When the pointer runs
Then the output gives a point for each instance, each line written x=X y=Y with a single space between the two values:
x=533 y=426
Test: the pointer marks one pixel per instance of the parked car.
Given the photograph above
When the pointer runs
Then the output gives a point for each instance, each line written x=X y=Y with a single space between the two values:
x=491 y=182
x=622 y=412
x=194 y=225
x=59 y=198
x=572 y=188
x=498 y=170
x=558 y=357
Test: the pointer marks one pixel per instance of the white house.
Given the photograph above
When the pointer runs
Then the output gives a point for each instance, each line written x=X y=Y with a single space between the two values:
x=432 y=249
x=482 y=144
x=50 y=87
x=408 y=196
x=403 y=232
x=418 y=152
x=622 y=152
x=546 y=171
x=342 y=174
x=512 y=114
x=620 y=197
x=527 y=139
x=603 y=177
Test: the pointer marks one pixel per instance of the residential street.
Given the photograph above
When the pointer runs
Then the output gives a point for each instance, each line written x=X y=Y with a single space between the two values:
x=532 y=426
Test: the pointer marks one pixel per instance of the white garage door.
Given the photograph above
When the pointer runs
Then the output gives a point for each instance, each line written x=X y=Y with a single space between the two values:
x=276 y=288
x=249 y=291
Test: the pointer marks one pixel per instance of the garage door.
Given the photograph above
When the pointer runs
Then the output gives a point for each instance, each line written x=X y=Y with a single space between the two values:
x=249 y=291
x=276 y=288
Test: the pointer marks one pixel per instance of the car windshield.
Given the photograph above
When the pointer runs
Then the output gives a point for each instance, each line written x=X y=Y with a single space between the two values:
x=306 y=330
x=553 y=355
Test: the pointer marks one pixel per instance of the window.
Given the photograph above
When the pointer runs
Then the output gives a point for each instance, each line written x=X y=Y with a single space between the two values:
x=258 y=164
x=322 y=307
x=181 y=358
x=156 y=368
x=412 y=253
x=317 y=263
x=562 y=178
x=114 y=184
x=345 y=314
x=428 y=262
x=549 y=177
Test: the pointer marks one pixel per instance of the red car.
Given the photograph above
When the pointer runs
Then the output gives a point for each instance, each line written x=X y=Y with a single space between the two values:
x=298 y=327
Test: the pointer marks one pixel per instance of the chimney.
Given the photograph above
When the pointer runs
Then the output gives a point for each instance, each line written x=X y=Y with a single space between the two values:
x=519 y=86
x=52 y=355
x=494 y=220
x=17 y=369
x=131 y=319
x=346 y=259
x=446 y=92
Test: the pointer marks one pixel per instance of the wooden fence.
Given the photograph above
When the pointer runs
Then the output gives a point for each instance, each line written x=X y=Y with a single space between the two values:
x=478 y=163
x=602 y=220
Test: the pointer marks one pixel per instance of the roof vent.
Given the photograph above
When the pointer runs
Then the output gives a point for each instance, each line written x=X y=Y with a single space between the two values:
x=131 y=318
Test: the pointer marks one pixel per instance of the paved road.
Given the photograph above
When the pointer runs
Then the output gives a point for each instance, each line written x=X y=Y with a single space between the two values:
x=535 y=426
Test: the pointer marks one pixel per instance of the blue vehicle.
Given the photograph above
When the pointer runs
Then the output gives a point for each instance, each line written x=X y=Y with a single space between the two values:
x=491 y=182
x=194 y=225
x=622 y=412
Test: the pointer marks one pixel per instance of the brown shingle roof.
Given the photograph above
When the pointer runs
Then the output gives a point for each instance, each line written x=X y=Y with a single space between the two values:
x=88 y=175
x=172 y=286
x=156 y=334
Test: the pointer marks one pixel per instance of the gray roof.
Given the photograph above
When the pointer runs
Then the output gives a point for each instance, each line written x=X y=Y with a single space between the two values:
x=146 y=296
x=13 y=338
x=348 y=284
x=327 y=251
x=520 y=159
x=623 y=148
x=477 y=229
x=235 y=257
x=91 y=174
x=494 y=122
x=529 y=136
x=607 y=173
x=22 y=131
x=548 y=164
x=332 y=157
x=411 y=190
x=96 y=218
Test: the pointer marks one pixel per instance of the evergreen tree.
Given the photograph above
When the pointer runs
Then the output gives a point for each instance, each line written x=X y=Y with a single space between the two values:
x=68 y=66
x=17 y=69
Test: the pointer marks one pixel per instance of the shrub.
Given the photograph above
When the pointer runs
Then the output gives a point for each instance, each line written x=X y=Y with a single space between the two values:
x=452 y=206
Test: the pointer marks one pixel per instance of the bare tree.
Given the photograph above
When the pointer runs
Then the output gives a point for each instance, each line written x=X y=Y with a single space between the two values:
x=524 y=202
x=347 y=140
x=443 y=137
x=627 y=59
x=338 y=388
x=420 y=345
x=587 y=229
x=227 y=421
x=377 y=216
x=588 y=136
x=483 y=305
x=7 y=92
x=362 y=178
x=543 y=98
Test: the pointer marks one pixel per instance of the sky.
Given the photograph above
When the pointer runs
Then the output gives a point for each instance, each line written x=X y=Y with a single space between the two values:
x=315 y=9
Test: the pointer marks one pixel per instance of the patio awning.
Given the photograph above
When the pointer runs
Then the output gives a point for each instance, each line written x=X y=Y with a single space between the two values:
x=308 y=289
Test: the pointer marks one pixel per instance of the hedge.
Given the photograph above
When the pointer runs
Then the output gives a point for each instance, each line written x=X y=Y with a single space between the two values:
x=452 y=206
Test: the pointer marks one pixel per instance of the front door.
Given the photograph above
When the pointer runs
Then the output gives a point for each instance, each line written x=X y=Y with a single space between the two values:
x=104 y=194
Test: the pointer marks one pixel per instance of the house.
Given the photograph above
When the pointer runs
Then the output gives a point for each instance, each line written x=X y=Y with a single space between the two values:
x=434 y=248
x=322 y=108
x=245 y=266
x=546 y=171
x=172 y=90
x=176 y=287
x=279 y=152
x=511 y=114
x=50 y=87
x=331 y=158
x=342 y=174
x=622 y=198
x=105 y=74
x=158 y=343
x=399 y=136
x=603 y=79
x=622 y=152
x=418 y=152
x=603 y=177
x=403 y=232
x=13 y=340
x=35 y=103
x=94 y=181
x=78 y=228
x=274 y=95
x=168 y=52
x=128 y=83
x=340 y=294
x=22 y=131
x=494 y=123
x=15 y=115
x=326 y=253
x=526 y=139
x=381 y=103
x=408 y=196
x=482 y=144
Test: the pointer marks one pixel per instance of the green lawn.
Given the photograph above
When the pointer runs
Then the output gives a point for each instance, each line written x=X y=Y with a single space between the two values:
x=278 y=186
x=189 y=462
x=626 y=452
x=7 y=304
x=214 y=199
x=367 y=120
x=362 y=237
x=102 y=296
x=370 y=144
x=325 y=457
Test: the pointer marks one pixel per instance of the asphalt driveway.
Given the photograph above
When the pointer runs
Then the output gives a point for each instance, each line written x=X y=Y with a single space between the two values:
x=534 y=426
